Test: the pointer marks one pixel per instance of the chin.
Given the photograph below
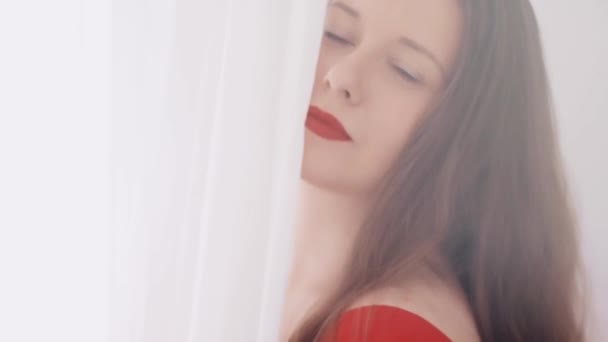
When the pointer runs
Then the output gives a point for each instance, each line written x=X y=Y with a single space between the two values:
x=329 y=181
x=315 y=177
x=312 y=175
x=330 y=167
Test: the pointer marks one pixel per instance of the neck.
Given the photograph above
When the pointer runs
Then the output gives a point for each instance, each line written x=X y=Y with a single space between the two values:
x=327 y=224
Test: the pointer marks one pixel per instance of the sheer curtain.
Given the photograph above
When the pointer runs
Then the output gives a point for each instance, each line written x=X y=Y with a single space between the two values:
x=54 y=105
x=209 y=104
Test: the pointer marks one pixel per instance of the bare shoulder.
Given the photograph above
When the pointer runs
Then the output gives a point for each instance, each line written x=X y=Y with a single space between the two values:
x=440 y=304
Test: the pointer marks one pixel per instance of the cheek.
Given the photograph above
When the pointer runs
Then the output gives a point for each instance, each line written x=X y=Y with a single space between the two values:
x=388 y=131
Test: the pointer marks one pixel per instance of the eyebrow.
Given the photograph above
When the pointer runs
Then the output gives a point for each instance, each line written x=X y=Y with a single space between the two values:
x=347 y=9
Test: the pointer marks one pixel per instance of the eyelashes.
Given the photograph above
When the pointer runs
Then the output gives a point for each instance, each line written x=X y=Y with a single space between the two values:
x=336 y=38
x=406 y=75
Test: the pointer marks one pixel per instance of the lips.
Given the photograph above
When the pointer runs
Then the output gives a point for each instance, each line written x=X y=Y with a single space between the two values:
x=325 y=125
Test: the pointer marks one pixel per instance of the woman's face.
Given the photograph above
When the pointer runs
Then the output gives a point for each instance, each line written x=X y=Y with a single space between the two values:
x=381 y=64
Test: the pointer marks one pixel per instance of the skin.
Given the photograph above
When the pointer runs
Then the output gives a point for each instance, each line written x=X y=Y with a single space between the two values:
x=381 y=64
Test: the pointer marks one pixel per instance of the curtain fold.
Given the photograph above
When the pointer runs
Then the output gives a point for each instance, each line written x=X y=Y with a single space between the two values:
x=209 y=106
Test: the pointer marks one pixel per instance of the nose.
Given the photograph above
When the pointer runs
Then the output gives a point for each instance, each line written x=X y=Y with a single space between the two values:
x=343 y=79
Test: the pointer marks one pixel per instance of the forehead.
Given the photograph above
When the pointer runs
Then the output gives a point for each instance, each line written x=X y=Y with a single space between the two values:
x=435 y=24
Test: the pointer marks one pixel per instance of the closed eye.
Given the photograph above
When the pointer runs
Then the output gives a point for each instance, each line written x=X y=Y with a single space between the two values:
x=405 y=74
x=337 y=38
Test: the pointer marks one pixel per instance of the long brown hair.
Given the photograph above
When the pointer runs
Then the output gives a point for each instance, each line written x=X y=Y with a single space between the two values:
x=480 y=181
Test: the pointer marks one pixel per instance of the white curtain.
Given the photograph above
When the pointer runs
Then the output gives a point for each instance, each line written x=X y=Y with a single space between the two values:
x=54 y=187
x=209 y=104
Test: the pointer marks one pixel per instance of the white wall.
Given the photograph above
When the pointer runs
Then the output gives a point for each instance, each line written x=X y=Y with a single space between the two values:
x=575 y=35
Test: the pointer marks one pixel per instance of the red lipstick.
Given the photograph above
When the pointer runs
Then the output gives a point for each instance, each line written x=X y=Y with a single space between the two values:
x=325 y=125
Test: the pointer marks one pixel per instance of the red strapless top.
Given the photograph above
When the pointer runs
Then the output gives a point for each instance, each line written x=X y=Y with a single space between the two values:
x=383 y=323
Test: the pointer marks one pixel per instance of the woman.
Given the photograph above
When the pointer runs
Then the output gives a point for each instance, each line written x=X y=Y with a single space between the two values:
x=433 y=203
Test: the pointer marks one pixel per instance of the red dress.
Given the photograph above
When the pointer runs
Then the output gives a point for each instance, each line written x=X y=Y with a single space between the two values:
x=384 y=324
